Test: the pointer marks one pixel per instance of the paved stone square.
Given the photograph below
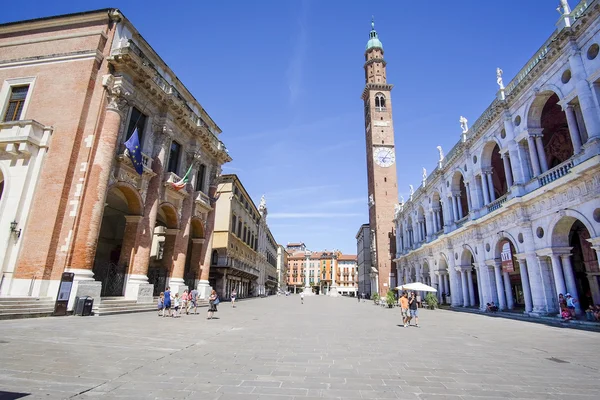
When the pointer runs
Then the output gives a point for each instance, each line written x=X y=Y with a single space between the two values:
x=276 y=348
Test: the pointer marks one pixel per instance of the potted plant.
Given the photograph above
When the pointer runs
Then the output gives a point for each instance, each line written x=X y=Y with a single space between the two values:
x=431 y=300
x=390 y=299
x=376 y=298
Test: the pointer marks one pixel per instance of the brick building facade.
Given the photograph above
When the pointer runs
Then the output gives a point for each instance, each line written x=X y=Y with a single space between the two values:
x=74 y=89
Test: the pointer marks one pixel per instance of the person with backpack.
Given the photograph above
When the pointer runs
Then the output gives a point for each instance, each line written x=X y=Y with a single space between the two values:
x=213 y=300
x=193 y=302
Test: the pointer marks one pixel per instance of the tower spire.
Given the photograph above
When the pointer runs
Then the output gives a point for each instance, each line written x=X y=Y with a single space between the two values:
x=374 y=41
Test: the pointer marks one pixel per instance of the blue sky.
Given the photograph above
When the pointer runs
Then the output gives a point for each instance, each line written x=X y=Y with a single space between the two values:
x=283 y=80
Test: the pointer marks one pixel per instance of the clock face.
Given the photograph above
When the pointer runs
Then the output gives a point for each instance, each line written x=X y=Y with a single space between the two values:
x=384 y=156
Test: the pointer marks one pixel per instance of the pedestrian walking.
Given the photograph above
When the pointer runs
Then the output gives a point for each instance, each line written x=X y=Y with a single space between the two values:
x=571 y=304
x=176 y=305
x=414 y=311
x=213 y=300
x=161 y=304
x=302 y=298
x=167 y=302
x=233 y=296
x=184 y=301
x=404 y=309
x=193 y=301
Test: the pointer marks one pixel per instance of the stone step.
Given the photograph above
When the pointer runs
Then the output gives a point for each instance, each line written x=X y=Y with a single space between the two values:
x=18 y=306
x=24 y=299
x=20 y=314
x=26 y=310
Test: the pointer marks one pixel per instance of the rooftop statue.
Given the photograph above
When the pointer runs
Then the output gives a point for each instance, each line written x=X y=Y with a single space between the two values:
x=439 y=148
x=499 y=73
x=463 y=124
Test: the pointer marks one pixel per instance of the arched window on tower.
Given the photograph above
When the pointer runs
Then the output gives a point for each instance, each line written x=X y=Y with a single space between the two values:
x=380 y=102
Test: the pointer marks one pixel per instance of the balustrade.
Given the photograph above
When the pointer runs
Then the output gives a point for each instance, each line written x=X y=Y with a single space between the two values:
x=553 y=174
x=496 y=204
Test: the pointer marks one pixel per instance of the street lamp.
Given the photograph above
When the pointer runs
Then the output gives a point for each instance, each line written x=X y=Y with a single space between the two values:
x=13 y=229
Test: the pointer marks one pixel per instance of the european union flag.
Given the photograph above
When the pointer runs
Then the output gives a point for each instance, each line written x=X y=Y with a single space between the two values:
x=135 y=152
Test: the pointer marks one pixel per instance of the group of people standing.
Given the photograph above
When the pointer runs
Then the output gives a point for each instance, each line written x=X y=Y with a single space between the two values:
x=174 y=305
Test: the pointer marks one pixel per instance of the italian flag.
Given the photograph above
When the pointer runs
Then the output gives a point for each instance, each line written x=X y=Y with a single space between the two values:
x=186 y=178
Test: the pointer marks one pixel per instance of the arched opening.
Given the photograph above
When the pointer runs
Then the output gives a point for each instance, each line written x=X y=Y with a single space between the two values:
x=192 y=260
x=111 y=260
x=580 y=266
x=163 y=241
x=557 y=140
x=380 y=102
x=459 y=192
x=470 y=282
x=409 y=228
x=491 y=162
x=438 y=212
x=511 y=285
x=421 y=224
x=444 y=281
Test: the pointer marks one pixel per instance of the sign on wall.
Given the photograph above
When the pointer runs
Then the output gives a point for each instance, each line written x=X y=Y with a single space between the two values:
x=506 y=256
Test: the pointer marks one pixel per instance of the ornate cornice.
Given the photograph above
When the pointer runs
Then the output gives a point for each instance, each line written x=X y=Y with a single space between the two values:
x=375 y=86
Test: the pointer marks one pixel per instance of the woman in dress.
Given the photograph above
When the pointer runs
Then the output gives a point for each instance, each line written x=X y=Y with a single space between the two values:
x=213 y=300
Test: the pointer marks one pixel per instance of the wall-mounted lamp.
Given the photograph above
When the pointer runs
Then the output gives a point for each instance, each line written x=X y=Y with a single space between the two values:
x=13 y=229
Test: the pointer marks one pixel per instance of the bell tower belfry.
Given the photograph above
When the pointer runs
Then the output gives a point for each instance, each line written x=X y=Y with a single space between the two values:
x=381 y=162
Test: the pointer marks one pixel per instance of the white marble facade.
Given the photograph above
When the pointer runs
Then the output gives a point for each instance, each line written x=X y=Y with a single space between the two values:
x=524 y=176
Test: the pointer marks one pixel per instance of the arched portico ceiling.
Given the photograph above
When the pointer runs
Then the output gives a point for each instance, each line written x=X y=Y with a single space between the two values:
x=487 y=152
x=561 y=227
x=505 y=237
x=197 y=228
x=534 y=112
x=456 y=177
x=171 y=217
x=466 y=257
x=135 y=204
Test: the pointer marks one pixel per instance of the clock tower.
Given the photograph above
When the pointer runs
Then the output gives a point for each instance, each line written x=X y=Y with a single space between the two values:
x=381 y=162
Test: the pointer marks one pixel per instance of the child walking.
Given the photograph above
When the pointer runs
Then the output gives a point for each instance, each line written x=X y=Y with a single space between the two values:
x=176 y=303
x=161 y=304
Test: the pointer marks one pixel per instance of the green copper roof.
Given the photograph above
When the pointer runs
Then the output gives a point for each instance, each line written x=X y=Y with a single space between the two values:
x=374 y=41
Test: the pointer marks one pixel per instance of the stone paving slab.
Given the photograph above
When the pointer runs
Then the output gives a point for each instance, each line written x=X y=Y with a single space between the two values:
x=276 y=348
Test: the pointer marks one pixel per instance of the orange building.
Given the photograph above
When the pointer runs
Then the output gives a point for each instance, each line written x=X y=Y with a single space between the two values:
x=322 y=272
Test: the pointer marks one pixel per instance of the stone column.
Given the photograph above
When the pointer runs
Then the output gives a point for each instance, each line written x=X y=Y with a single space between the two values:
x=525 y=284
x=510 y=304
x=573 y=128
x=169 y=250
x=145 y=236
x=470 y=285
x=454 y=280
x=447 y=284
x=541 y=153
x=333 y=289
x=488 y=175
x=461 y=213
x=439 y=220
x=533 y=155
x=137 y=286
x=480 y=287
x=464 y=285
x=455 y=208
x=429 y=228
x=559 y=280
x=196 y=259
x=570 y=280
x=517 y=163
x=507 y=170
x=132 y=223
x=584 y=94
x=91 y=210
x=204 y=287
x=182 y=239
x=537 y=289
x=499 y=286
x=469 y=202
x=486 y=189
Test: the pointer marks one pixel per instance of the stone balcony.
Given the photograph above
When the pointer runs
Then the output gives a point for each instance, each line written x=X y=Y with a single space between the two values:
x=169 y=179
x=202 y=202
x=20 y=138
